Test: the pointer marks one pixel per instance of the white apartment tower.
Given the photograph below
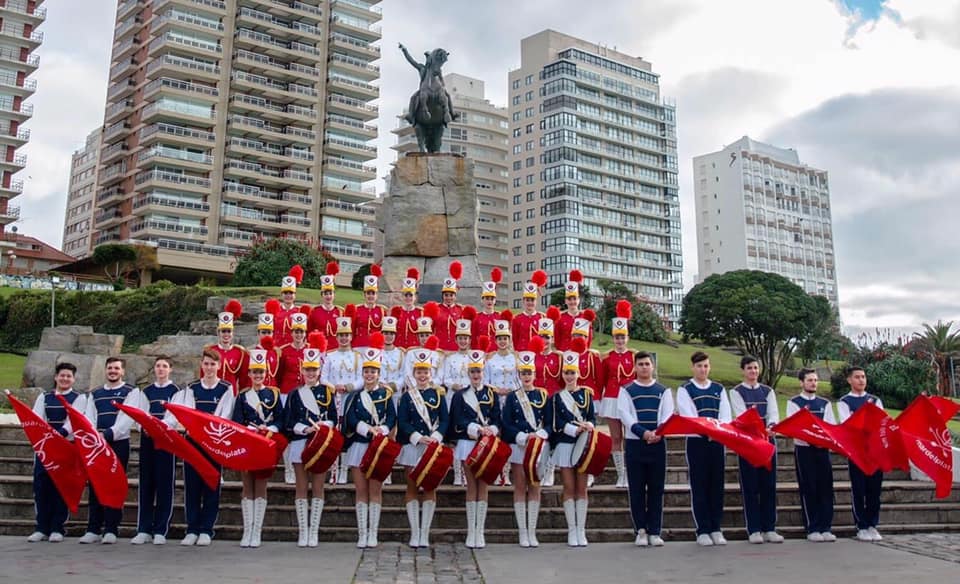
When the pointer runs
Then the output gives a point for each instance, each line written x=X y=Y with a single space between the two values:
x=78 y=219
x=482 y=134
x=593 y=171
x=760 y=208
x=228 y=121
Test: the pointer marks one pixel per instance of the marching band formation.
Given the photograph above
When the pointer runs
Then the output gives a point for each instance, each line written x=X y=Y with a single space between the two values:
x=501 y=398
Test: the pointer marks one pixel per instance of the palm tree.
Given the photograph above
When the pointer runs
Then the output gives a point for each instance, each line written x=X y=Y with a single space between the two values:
x=942 y=344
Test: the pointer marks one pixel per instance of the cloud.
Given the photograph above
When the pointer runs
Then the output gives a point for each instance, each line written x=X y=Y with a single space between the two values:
x=929 y=19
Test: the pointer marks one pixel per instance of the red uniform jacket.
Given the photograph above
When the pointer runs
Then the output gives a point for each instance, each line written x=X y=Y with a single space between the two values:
x=525 y=327
x=591 y=372
x=366 y=321
x=288 y=373
x=273 y=366
x=482 y=325
x=563 y=328
x=617 y=372
x=406 y=326
x=233 y=366
x=446 y=326
x=325 y=321
x=281 y=327
x=548 y=372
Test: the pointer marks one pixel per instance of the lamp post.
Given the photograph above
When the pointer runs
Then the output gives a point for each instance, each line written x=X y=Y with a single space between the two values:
x=53 y=300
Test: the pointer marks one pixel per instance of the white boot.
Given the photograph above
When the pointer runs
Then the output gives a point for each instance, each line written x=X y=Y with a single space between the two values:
x=550 y=477
x=342 y=471
x=289 y=477
x=413 y=518
x=458 y=474
x=374 y=525
x=520 y=511
x=362 y=510
x=259 y=510
x=302 y=523
x=334 y=471
x=621 y=467
x=581 y=507
x=570 y=513
x=246 y=510
x=533 y=514
x=481 y=523
x=316 y=511
x=428 y=508
x=471 y=524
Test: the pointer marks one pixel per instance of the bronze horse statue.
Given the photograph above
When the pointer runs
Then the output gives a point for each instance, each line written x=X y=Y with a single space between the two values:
x=430 y=109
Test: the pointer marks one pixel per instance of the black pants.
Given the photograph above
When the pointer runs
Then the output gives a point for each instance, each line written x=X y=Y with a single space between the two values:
x=107 y=519
x=866 y=497
x=815 y=477
x=51 y=510
x=759 y=487
x=705 y=465
x=155 y=496
x=646 y=473
x=201 y=504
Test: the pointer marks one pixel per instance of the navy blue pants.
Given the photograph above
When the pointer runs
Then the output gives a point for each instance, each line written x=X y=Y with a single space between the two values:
x=155 y=498
x=201 y=504
x=107 y=519
x=815 y=477
x=759 y=487
x=646 y=474
x=705 y=465
x=50 y=508
x=866 y=497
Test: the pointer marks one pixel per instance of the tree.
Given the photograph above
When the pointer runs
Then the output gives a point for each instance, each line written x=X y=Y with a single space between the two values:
x=116 y=260
x=645 y=324
x=356 y=282
x=269 y=260
x=558 y=298
x=824 y=341
x=764 y=314
x=941 y=344
x=892 y=375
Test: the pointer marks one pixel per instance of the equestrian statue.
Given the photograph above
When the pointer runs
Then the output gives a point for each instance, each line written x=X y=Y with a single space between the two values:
x=430 y=109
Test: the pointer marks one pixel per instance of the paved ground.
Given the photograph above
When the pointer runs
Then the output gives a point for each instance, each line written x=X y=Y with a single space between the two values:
x=793 y=562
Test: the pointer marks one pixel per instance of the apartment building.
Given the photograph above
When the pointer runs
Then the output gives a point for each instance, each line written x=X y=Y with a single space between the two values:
x=231 y=121
x=78 y=218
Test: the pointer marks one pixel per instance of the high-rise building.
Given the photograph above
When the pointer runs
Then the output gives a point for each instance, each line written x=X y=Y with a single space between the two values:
x=760 y=208
x=231 y=121
x=78 y=219
x=482 y=134
x=19 y=38
x=593 y=171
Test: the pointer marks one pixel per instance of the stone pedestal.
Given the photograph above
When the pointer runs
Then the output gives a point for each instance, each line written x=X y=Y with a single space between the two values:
x=429 y=220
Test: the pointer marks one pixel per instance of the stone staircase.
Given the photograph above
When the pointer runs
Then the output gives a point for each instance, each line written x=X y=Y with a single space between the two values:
x=908 y=506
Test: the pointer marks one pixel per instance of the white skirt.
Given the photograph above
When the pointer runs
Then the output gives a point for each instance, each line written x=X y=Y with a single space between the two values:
x=355 y=453
x=463 y=449
x=296 y=450
x=608 y=408
x=563 y=455
x=517 y=456
x=410 y=454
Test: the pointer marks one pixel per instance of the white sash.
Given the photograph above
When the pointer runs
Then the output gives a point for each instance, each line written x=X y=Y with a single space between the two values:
x=421 y=407
x=309 y=400
x=470 y=398
x=571 y=404
x=527 y=408
x=253 y=400
x=368 y=405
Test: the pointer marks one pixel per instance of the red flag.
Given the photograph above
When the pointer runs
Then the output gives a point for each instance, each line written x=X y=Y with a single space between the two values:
x=167 y=439
x=847 y=441
x=107 y=476
x=55 y=453
x=757 y=451
x=879 y=434
x=927 y=442
x=231 y=444
x=750 y=423
x=947 y=407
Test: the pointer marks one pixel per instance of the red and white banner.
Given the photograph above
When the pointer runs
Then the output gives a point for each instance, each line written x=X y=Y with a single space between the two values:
x=107 y=476
x=230 y=444
x=926 y=440
x=55 y=453
x=741 y=436
x=169 y=440
x=845 y=440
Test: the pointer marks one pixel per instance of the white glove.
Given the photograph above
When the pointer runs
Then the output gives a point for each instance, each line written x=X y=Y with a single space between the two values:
x=521 y=438
x=542 y=434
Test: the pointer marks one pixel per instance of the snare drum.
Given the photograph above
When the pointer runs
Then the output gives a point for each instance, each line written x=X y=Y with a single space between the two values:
x=377 y=462
x=322 y=450
x=592 y=452
x=488 y=458
x=280 y=443
x=536 y=459
x=433 y=466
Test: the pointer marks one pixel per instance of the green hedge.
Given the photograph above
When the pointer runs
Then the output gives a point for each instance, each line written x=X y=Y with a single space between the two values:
x=140 y=315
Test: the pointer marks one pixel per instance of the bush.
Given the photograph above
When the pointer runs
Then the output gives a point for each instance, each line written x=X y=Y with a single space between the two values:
x=356 y=281
x=268 y=261
x=895 y=378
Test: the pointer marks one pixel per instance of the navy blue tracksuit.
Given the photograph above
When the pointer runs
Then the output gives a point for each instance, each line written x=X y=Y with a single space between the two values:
x=706 y=460
x=646 y=463
x=51 y=510
x=815 y=472
x=866 y=488
x=100 y=518
x=201 y=503
x=759 y=485
x=157 y=471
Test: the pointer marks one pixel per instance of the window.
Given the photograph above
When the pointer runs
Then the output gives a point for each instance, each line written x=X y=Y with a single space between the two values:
x=516 y=84
x=516 y=215
x=531 y=231
x=517 y=286
x=530 y=196
x=528 y=113
x=516 y=99
x=516 y=234
x=516 y=304
x=528 y=80
x=531 y=248
x=517 y=148
x=529 y=129
x=516 y=199
x=517 y=165
x=531 y=266
x=529 y=179
x=530 y=161
x=516 y=251
x=531 y=213
x=516 y=116
x=516 y=268
x=517 y=132
x=529 y=146
x=528 y=96
x=516 y=182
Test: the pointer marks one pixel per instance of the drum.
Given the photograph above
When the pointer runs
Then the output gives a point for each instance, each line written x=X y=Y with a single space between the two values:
x=433 y=466
x=592 y=452
x=488 y=458
x=280 y=443
x=377 y=462
x=322 y=450
x=536 y=459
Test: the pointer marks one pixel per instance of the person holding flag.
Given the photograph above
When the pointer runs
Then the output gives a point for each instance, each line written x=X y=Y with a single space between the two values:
x=286 y=306
x=407 y=312
x=866 y=488
x=324 y=316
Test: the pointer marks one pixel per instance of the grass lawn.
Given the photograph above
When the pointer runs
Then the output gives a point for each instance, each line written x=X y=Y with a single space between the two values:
x=11 y=370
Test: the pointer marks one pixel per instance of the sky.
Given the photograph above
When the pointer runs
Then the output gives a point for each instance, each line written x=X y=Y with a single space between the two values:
x=866 y=89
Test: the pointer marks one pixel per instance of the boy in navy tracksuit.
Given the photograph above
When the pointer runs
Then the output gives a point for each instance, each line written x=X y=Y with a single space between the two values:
x=866 y=488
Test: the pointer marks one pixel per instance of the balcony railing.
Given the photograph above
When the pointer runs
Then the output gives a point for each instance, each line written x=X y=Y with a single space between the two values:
x=350 y=207
x=181 y=86
x=172 y=177
x=253 y=191
x=362 y=5
x=337 y=119
x=174 y=130
x=358 y=84
x=12 y=55
x=169 y=226
x=174 y=203
x=337 y=58
x=182 y=62
x=356 y=103
x=23 y=8
x=347 y=250
x=351 y=144
x=343 y=162
x=339 y=37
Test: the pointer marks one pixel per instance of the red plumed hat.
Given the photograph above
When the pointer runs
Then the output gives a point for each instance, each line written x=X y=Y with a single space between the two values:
x=483 y=341
x=539 y=278
x=456 y=270
x=496 y=275
x=272 y=306
x=491 y=346
x=413 y=273
x=578 y=345
x=576 y=276
x=234 y=307
x=624 y=309
x=537 y=345
x=431 y=309
x=376 y=270
x=590 y=315
x=377 y=341
x=267 y=342
x=333 y=268
x=349 y=310
x=317 y=340
x=432 y=344
x=297 y=273
x=305 y=309
x=469 y=312
x=506 y=315
x=553 y=313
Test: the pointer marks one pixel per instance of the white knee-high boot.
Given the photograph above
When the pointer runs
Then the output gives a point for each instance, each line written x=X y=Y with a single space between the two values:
x=533 y=515
x=570 y=513
x=289 y=477
x=316 y=511
x=428 y=508
x=246 y=510
x=259 y=510
x=520 y=512
x=471 y=524
x=372 y=541
x=302 y=522
x=621 y=469
x=481 y=523
x=362 y=511
x=413 y=518
x=581 y=507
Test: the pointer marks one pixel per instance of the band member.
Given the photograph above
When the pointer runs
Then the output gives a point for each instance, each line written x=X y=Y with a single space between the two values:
x=290 y=372
x=391 y=373
x=233 y=358
x=643 y=405
x=369 y=411
x=425 y=340
x=211 y=395
x=573 y=311
x=813 y=465
x=449 y=312
x=157 y=467
x=114 y=426
x=523 y=417
x=500 y=372
x=617 y=371
x=51 y=510
x=482 y=321
x=258 y=407
x=591 y=364
x=341 y=369
x=310 y=406
x=526 y=324
x=759 y=485
x=286 y=306
x=474 y=412
x=367 y=317
x=548 y=358
x=408 y=312
x=453 y=370
x=266 y=342
x=866 y=488
x=422 y=419
x=705 y=459
x=324 y=316
x=571 y=413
